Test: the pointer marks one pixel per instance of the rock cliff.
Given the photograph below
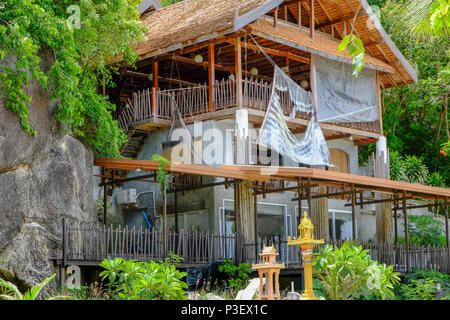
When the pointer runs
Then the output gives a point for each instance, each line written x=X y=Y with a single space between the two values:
x=42 y=179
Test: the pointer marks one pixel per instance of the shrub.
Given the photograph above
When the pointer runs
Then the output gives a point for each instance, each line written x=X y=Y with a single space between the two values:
x=418 y=289
x=133 y=280
x=424 y=230
x=238 y=275
x=350 y=273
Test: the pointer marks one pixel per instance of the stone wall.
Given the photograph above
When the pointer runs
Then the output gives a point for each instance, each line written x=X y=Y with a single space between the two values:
x=42 y=179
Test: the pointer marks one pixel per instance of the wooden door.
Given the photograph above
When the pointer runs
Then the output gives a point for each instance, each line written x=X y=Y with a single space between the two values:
x=340 y=159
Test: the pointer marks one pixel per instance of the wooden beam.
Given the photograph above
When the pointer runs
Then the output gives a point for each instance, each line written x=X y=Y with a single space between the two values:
x=339 y=20
x=373 y=43
x=365 y=141
x=276 y=52
x=337 y=136
x=200 y=64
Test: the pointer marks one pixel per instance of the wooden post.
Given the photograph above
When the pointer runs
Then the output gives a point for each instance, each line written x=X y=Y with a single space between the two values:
x=309 y=197
x=236 y=213
x=63 y=262
x=155 y=75
x=405 y=219
x=165 y=224
x=105 y=201
x=379 y=101
x=211 y=75
x=354 y=231
x=312 y=25
x=299 y=190
x=299 y=7
x=314 y=86
x=275 y=18
x=395 y=219
x=255 y=209
x=447 y=236
x=176 y=210
x=238 y=71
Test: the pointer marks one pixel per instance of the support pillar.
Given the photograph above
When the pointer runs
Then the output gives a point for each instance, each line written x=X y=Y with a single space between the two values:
x=245 y=218
x=383 y=210
x=405 y=218
x=255 y=209
x=319 y=215
x=354 y=231
x=165 y=224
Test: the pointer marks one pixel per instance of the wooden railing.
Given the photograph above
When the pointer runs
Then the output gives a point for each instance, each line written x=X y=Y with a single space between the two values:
x=193 y=101
x=126 y=117
x=95 y=243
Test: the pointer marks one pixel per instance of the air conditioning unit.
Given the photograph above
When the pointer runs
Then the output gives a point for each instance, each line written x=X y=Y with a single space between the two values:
x=127 y=196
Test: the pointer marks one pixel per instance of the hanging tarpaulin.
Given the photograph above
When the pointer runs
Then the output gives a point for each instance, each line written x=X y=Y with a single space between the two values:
x=179 y=145
x=275 y=134
x=340 y=96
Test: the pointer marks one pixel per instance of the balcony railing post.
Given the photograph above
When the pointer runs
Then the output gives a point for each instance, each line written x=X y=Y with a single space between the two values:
x=154 y=102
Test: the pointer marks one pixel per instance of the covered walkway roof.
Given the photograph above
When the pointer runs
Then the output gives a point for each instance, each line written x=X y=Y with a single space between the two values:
x=264 y=174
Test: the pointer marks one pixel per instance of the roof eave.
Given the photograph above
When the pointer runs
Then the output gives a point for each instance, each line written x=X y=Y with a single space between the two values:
x=244 y=20
x=405 y=63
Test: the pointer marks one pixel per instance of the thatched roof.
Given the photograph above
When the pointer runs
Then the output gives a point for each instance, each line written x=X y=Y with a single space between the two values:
x=195 y=21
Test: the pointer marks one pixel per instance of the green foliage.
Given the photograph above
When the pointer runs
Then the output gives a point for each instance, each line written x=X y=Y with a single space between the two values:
x=442 y=278
x=426 y=18
x=78 y=59
x=425 y=231
x=161 y=174
x=413 y=169
x=355 y=49
x=166 y=3
x=422 y=285
x=418 y=289
x=415 y=117
x=9 y=291
x=350 y=273
x=133 y=280
x=238 y=275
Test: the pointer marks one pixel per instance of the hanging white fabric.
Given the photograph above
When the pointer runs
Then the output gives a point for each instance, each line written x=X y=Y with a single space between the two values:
x=341 y=97
x=179 y=145
x=274 y=133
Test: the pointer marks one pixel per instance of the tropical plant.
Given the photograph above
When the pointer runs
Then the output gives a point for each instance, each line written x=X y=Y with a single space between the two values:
x=442 y=278
x=8 y=291
x=161 y=174
x=355 y=48
x=418 y=289
x=426 y=18
x=412 y=169
x=133 y=280
x=349 y=272
x=238 y=274
x=77 y=41
x=424 y=230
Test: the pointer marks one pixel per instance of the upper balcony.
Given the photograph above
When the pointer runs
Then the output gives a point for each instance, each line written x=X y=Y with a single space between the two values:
x=151 y=108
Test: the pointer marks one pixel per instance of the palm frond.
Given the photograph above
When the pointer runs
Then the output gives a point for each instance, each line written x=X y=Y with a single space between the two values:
x=10 y=291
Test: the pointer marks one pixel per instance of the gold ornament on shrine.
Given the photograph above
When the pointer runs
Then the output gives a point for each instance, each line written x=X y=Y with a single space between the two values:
x=306 y=242
x=269 y=270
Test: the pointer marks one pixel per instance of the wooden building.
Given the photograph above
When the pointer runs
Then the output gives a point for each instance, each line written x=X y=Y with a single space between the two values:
x=206 y=55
